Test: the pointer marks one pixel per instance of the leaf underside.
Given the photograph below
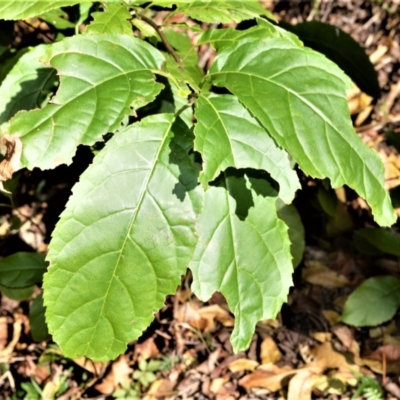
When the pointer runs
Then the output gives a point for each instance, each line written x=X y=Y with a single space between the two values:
x=126 y=236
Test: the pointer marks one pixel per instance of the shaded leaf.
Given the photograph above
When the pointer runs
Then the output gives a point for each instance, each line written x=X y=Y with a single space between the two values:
x=292 y=91
x=37 y=320
x=27 y=85
x=114 y=19
x=224 y=124
x=381 y=294
x=21 y=270
x=92 y=69
x=244 y=253
x=288 y=213
x=58 y=18
x=342 y=49
x=378 y=241
x=129 y=250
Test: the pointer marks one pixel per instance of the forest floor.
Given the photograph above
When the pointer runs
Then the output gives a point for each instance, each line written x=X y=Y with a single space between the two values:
x=186 y=353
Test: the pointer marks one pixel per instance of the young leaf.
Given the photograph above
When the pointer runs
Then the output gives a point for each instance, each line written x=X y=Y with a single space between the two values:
x=299 y=96
x=126 y=236
x=342 y=49
x=224 y=124
x=28 y=84
x=381 y=294
x=115 y=19
x=243 y=252
x=101 y=78
x=11 y=9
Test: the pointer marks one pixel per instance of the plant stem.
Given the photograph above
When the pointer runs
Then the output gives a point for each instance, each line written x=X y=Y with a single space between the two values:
x=164 y=39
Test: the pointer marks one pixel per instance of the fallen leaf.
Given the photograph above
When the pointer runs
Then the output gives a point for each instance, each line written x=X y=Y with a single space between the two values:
x=161 y=388
x=215 y=313
x=346 y=336
x=269 y=351
x=317 y=273
x=331 y=316
x=95 y=368
x=12 y=160
x=242 y=364
x=322 y=336
x=302 y=384
x=147 y=349
x=120 y=374
x=269 y=376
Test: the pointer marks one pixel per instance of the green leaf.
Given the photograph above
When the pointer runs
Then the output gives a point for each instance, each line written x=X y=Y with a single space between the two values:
x=243 y=252
x=223 y=123
x=383 y=240
x=342 y=49
x=299 y=96
x=37 y=320
x=12 y=9
x=220 y=38
x=192 y=73
x=17 y=294
x=217 y=11
x=22 y=270
x=93 y=69
x=115 y=19
x=28 y=84
x=58 y=18
x=381 y=294
x=114 y=261
x=288 y=214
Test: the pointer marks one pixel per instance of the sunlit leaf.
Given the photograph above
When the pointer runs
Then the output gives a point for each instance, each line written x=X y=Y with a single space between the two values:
x=93 y=70
x=293 y=91
x=244 y=253
x=113 y=261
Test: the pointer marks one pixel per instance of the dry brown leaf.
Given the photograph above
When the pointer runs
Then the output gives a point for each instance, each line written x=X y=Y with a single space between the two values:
x=269 y=376
x=3 y=332
x=215 y=313
x=325 y=357
x=12 y=160
x=6 y=352
x=322 y=337
x=331 y=316
x=147 y=349
x=302 y=384
x=269 y=351
x=95 y=368
x=161 y=388
x=317 y=273
x=217 y=384
x=378 y=54
x=390 y=351
x=120 y=374
x=346 y=336
x=242 y=364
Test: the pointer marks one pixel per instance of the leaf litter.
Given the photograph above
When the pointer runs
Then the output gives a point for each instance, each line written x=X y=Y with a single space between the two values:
x=186 y=354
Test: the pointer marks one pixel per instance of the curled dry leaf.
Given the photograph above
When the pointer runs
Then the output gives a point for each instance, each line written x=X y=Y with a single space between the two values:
x=12 y=160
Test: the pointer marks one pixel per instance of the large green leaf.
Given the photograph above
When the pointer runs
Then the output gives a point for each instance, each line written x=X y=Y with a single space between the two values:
x=114 y=19
x=299 y=96
x=381 y=294
x=342 y=49
x=19 y=9
x=228 y=136
x=126 y=236
x=102 y=77
x=27 y=85
x=244 y=253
